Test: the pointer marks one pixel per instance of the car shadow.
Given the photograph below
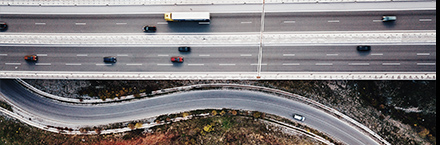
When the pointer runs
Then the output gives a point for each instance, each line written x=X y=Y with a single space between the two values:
x=389 y=24
x=364 y=53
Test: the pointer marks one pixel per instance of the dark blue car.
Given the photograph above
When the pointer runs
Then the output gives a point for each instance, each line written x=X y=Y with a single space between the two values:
x=110 y=59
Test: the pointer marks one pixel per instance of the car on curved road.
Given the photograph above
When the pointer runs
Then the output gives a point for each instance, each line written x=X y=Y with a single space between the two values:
x=299 y=117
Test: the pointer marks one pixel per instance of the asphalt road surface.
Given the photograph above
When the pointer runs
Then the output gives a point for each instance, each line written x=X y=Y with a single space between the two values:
x=385 y=58
x=73 y=115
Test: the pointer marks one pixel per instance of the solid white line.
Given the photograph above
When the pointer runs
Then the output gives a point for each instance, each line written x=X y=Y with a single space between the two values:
x=332 y=54
x=422 y=53
x=333 y=21
x=245 y=22
x=40 y=23
x=103 y=64
x=162 y=23
x=165 y=64
x=390 y=63
x=204 y=55
x=257 y=64
x=81 y=55
x=359 y=64
x=12 y=63
x=289 y=22
x=290 y=63
x=376 y=53
x=3 y=54
x=41 y=54
x=245 y=54
x=80 y=23
x=121 y=23
x=196 y=64
x=122 y=55
x=323 y=63
x=134 y=64
x=42 y=64
x=425 y=63
x=425 y=20
x=163 y=55
x=288 y=54
x=226 y=64
x=73 y=63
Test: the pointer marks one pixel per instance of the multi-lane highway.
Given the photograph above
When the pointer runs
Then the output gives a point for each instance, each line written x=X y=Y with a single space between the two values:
x=410 y=58
x=223 y=22
x=78 y=115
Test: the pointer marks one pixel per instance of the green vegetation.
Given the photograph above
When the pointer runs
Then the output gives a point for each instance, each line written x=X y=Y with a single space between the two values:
x=5 y=105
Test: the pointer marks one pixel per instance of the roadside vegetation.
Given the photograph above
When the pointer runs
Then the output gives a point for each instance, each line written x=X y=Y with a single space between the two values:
x=219 y=127
x=402 y=112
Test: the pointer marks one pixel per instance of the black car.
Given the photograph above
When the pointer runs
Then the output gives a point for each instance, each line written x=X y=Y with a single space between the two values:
x=148 y=28
x=185 y=49
x=110 y=59
x=363 y=48
x=3 y=26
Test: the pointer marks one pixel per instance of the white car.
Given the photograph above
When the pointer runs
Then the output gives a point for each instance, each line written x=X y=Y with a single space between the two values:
x=298 y=117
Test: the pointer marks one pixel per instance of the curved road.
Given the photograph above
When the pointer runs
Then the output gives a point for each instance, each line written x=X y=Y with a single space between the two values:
x=72 y=115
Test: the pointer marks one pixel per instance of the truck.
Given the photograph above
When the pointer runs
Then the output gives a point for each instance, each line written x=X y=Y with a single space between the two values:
x=187 y=16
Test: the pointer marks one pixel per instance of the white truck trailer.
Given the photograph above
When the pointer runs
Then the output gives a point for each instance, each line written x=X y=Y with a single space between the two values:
x=188 y=16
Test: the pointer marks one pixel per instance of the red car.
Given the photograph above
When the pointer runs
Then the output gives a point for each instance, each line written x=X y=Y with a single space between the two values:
x=31 y=58
x=177 y=59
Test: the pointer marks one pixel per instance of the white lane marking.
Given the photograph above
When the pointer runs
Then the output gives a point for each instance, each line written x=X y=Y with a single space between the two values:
x=332 y=54
x=41 y=54
x=204 y=55
x=246 y=22
x=12 y=63
x=257 y=64
x=226 y=64
x=162 y=23
x=3 y=54
x=323 y=63
x=40 y=23
x=81 y=55
x=163 y=55
x=80 y=23
x=165 y=64
x=73 y=63
x=425 y=20
x=196 y=64
x=289 y=22
x=121 y=54
x=288 y=54
x=42 y=64
x=390 y=63
x=137 y=64
x=376 y=53
x=121 y=23
x=290 y=63
x=333 y=21
x=358 y=63
x=245 y=54
x=377 y=20
x=204 y=23
x=103 y=64
x=423 y=54
x=425 y=63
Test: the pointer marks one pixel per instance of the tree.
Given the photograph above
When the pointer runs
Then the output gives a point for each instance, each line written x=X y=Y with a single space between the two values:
x=138 y=125
x=131 y=126
x=213 y=113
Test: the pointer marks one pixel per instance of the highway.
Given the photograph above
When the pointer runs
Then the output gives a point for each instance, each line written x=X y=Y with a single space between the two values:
x=76 y=115
x=387 y=58
x=223 y=22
